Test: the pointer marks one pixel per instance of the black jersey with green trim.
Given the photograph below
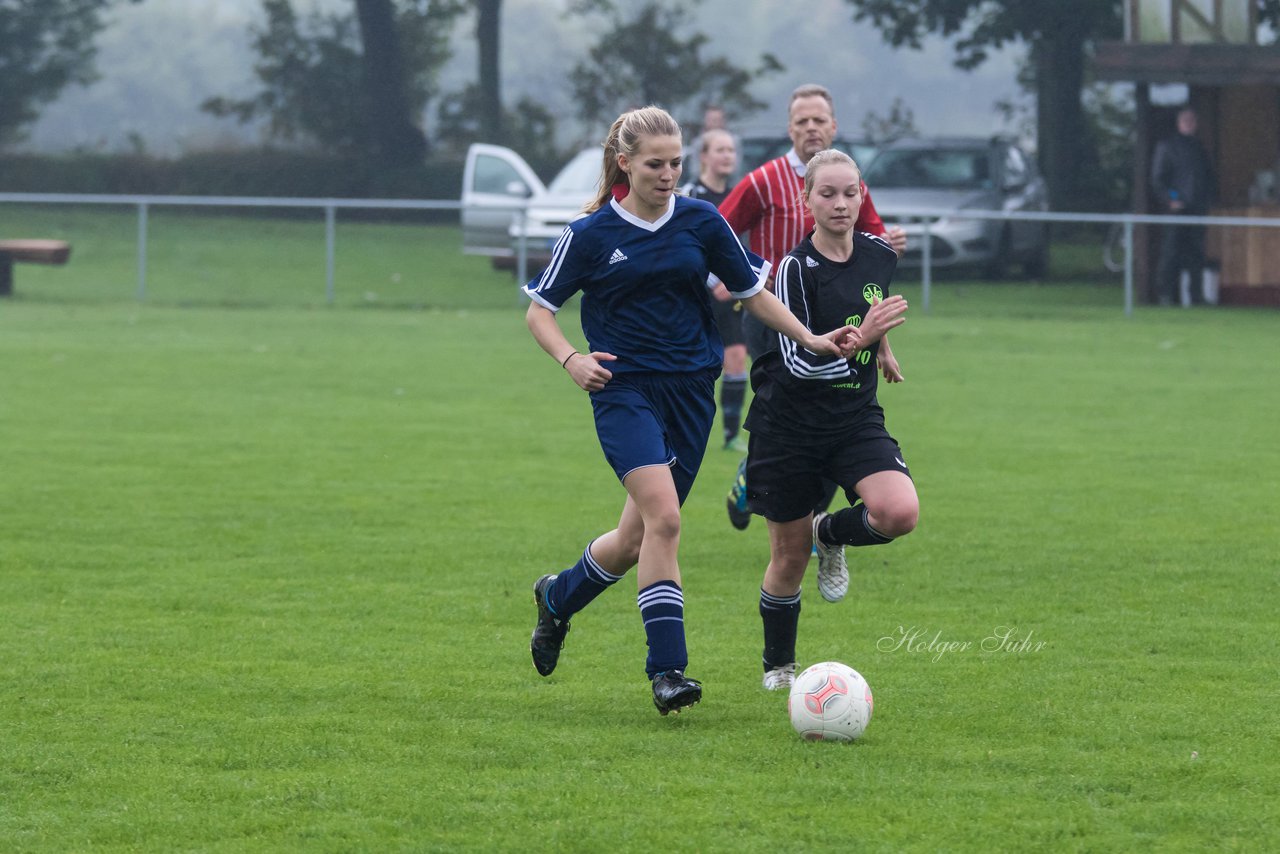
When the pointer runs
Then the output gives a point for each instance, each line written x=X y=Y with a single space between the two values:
x=802 y=394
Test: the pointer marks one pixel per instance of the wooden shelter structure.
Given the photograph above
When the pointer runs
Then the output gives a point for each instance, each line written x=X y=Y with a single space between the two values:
x=1211 y=47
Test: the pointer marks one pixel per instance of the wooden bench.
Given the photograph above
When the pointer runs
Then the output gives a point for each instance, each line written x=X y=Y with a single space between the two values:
x=29 y=252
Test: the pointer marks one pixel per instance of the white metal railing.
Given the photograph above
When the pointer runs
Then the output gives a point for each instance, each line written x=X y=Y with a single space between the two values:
x=1127 y=221
x=144 y=203
x=521 y=250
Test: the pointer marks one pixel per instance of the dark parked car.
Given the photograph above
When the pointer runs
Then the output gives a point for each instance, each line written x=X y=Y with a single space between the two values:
x=955 y=174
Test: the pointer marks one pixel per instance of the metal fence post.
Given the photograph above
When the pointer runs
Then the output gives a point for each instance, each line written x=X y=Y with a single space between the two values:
x=142 y=251
x=330 y=219
x=926 y=263
x=1128 y=267
x=522 y=249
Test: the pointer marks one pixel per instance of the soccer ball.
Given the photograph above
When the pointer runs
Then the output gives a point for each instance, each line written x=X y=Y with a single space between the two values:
x=830 y=701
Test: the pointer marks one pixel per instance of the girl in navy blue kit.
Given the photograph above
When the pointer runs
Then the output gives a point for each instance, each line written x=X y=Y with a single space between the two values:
x=641 y=259
x=816 y=416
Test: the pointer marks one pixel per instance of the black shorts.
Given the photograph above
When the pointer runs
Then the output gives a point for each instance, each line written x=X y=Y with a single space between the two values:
x=784 y=478
x=728 y=317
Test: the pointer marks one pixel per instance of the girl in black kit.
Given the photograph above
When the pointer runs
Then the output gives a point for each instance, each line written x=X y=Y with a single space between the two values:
x=816 y=416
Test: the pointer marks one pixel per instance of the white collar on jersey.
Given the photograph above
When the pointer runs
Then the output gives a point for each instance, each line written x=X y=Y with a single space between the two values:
x=644 y=223
x=796 y=163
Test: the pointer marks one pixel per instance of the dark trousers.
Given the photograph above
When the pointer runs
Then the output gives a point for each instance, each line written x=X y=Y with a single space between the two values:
x=1181 y=249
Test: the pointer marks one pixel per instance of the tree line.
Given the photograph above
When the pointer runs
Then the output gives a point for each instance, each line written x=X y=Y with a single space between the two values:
x=359 y=80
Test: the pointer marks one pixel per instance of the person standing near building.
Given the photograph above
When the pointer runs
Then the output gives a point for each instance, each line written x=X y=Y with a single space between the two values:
x=766 y=206
x=717 y=160
x=816 y=417
x=1182 y=180
x=642 y=262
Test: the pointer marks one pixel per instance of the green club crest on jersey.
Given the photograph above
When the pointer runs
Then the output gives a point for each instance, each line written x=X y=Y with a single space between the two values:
x=871 y=293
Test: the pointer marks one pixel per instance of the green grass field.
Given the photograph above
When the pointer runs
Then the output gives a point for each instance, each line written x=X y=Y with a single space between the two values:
x=194 y=258
x=265 y=572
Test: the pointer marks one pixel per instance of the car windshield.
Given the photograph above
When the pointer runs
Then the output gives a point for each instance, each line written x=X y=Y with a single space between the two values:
x=580 y=176
x=933 y=169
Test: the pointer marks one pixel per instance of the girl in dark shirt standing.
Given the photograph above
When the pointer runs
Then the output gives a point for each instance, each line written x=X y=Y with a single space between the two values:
x=816 y=416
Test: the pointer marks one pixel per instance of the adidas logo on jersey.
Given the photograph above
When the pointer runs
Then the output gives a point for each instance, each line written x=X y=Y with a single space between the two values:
x=616 y=257
x=809 y=262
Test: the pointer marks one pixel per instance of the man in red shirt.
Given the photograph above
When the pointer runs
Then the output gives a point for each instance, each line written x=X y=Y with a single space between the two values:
x=766 y=206
x=766 y=203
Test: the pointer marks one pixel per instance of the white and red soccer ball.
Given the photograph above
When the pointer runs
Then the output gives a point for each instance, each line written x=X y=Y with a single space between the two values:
x=830 y=701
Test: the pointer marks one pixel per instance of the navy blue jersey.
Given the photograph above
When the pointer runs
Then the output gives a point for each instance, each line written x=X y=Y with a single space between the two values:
x=799 y=394
x=644 y=284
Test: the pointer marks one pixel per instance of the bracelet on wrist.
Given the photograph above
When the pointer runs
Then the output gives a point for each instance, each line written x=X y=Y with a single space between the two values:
x=568 y=357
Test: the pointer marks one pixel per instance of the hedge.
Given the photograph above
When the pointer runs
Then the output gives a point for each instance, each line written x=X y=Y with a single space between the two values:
x=241 y=173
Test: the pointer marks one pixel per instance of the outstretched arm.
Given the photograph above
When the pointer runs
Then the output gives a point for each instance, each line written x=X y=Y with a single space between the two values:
x=772 y=313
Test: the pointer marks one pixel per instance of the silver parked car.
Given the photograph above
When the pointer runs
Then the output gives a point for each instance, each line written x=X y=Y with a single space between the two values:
x=496 y=182
x=955 y=174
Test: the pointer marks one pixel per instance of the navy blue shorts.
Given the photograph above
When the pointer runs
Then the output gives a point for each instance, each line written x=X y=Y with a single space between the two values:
x=784 y=478
x=648 y=419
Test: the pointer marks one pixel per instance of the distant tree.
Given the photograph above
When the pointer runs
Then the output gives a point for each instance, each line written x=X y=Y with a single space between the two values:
x=394 y=136
x=310 y=73
x=1058 y=35
x=898 y=123
x=489 y=42
x=640 y=60
x=45 y=46
x=476 y=113
x=1110 y=120
x=529 y=127
x=355 y=81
